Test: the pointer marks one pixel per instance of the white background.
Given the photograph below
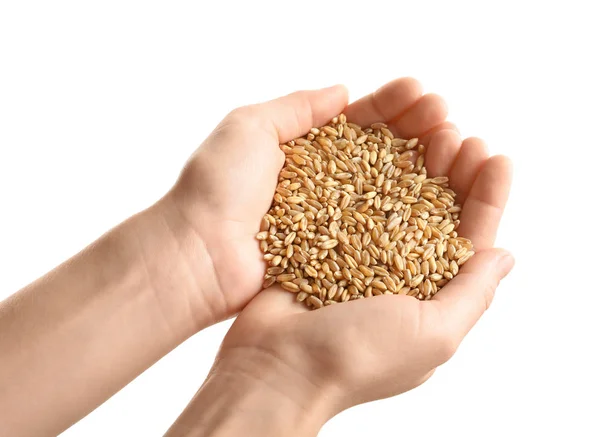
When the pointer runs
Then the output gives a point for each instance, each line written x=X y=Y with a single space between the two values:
x=102 y=102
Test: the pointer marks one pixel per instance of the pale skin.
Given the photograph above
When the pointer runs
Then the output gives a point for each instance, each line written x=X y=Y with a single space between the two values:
x=76 y=336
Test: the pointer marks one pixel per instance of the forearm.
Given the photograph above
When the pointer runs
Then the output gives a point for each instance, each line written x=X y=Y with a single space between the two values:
x=255 y=396
x=76 y=336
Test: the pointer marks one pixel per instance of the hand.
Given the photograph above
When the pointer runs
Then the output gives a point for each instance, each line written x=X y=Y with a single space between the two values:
x=350 y=353
x=228 y=184
x=98 y=320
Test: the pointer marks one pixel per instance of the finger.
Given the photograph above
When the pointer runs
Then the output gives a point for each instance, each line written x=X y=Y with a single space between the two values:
x=485 y=203
x=388 y=102
x=471 y=157
x=442 y=151
x=293 y=115
x=428 y=112
x=466 y=297
x=445 y=125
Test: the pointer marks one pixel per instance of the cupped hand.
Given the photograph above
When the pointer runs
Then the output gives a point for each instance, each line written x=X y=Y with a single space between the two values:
x=227 y=186
x=377 y=347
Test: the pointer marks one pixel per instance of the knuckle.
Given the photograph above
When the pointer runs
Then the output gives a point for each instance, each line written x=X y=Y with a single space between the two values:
x=241 y=114
x=470 y=140
x=249 y=118
x=488 y=295
x=239 y=120
x=446 y=347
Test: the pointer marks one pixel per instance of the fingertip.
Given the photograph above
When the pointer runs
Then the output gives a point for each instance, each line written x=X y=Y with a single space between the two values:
x=497 y=261
x=386 y=103
x=506 y=263
x=338 y=92
x=295 y=114
x=426 y=113
x=404 y=86
x=471 y=158
x=444 y=133
x=442 y=150
x=476 y=143
x=503 y=163
x=500 y=252
x=444 y=126
x=434 y=107
x=438 y=102
x=408 y=85
x=414 y=83
x=492 y=184
x=485 y=261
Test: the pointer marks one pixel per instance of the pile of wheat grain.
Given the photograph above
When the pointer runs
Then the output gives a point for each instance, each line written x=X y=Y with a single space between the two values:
x=354 y=215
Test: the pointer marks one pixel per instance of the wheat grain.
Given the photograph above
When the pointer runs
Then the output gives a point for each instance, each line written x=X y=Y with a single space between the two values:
x=355 y=215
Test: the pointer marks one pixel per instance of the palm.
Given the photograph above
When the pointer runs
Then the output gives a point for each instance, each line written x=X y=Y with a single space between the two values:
x=237 y=169
x=347 y=340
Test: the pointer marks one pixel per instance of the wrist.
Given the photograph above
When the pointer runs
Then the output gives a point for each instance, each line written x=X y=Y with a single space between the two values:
x=98 y=320
x=179 y=267
x=255 y=396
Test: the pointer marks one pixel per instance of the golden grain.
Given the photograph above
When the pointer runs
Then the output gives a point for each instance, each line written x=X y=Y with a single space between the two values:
x=355 y=215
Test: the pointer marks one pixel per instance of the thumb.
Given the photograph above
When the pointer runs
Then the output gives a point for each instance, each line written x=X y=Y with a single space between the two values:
x=293 y=115
x=466 y=297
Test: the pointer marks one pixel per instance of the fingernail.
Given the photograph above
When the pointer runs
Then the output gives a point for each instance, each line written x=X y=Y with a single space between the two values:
x=505 y=264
